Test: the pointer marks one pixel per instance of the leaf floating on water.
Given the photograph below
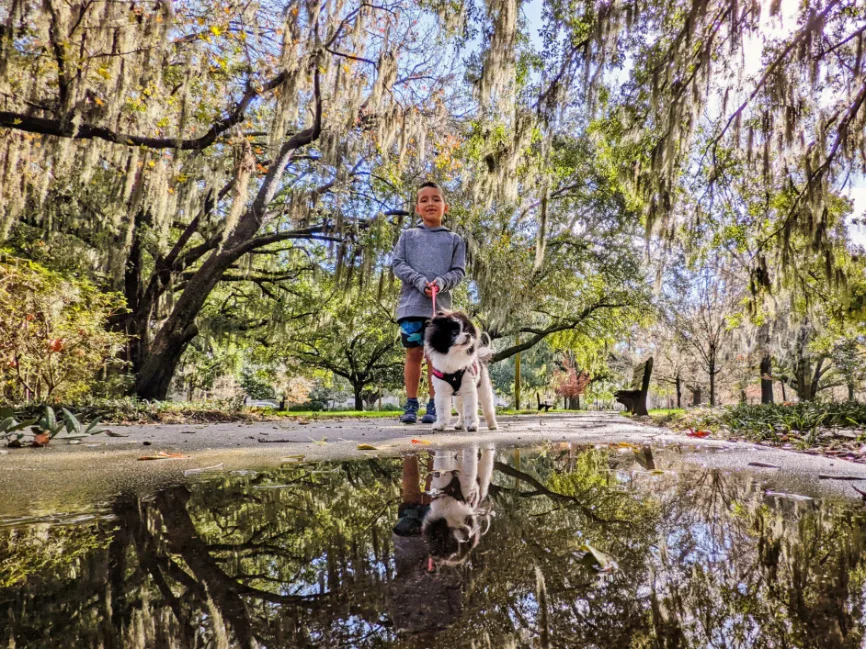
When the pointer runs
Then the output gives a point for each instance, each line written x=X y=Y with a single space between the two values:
x=163 y=455
x=633 y=447
x=215 y=467
x=597 y=560
x=764 y=465
x=782 y=494
x=367 y=447
x=698 y=433
x=422 y=441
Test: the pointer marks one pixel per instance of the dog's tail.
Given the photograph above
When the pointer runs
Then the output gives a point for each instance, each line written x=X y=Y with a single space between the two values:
x=485 y=352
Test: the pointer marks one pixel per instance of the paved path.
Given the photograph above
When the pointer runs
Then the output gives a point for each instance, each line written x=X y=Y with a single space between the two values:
x=42 y=479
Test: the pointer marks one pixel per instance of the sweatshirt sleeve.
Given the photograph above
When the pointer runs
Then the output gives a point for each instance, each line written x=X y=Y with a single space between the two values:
x=455 y=275
x=403 y=270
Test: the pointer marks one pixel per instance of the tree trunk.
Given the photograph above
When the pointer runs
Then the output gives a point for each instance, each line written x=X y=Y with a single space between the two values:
x=784 y=396
x=712 y=368
x=577 y=402
x=517 y=378
x=157 y=368
x=679 y=384
x=697 y=395
x=850 y=391
x=359 y=399
x=766 y=379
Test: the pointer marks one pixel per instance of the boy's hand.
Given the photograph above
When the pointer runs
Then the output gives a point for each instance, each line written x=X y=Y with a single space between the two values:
x=430 y=286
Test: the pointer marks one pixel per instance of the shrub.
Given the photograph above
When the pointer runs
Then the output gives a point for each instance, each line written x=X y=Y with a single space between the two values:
x=308 y=406
x=53 y=332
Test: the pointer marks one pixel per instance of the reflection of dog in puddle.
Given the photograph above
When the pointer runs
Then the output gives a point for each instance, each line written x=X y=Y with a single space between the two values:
x=434 y=537
x=460 y=510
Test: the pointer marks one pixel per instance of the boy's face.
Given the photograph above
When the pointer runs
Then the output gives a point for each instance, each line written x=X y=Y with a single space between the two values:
x=431 y=206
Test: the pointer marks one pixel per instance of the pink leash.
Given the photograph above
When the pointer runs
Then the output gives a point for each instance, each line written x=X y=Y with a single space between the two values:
x=434 y=289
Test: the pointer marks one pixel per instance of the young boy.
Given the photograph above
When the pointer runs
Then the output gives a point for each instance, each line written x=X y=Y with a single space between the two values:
x=426 y=255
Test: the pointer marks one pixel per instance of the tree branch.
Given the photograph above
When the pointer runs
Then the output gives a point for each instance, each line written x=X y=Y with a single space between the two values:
x=65 y=127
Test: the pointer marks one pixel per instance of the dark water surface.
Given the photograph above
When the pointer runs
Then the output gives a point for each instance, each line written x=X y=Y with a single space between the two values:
x=563 y=546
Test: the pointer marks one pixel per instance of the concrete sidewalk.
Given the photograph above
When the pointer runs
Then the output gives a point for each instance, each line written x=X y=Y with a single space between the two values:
x=61 y=473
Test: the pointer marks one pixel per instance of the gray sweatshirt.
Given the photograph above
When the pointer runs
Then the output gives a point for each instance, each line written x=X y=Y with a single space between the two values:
x=422 y=255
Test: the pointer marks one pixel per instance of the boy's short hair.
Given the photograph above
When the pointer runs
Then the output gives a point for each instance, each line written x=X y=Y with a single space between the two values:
x=430 y=183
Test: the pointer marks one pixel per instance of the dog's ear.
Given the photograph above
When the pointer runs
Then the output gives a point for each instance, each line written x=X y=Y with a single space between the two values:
x=440 y=538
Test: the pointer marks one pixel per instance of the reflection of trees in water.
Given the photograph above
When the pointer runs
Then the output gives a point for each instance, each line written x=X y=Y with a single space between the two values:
x=302 y=557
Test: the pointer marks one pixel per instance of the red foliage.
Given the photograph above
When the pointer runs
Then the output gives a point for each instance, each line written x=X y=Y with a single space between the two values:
x=571 y=382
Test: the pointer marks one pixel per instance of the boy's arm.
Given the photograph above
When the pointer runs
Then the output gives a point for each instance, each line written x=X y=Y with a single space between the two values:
x=403 y=270
x=453 y=277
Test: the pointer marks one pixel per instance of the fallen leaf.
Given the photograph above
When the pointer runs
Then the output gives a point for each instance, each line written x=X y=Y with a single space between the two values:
x=840 y=477
x=633 y=447
x=41 y=440
x=111 y=433
x=597 y=560
x=292 y=458
x=698 y=433
x=421 y=441
x=764 y=466
x=367 y=447
x=163 y=455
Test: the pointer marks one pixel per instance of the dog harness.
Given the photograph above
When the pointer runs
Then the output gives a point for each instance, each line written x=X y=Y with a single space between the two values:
x=455 y=379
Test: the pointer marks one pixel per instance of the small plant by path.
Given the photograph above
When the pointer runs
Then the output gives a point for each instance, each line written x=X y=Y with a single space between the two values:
x=832 y=429
x=40 y=431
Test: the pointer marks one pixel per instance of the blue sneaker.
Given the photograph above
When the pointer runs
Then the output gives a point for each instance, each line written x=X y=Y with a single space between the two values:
x=410 y=412
x=429 y=416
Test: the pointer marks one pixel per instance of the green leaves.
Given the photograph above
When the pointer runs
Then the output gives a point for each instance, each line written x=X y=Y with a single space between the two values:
x=46 y=427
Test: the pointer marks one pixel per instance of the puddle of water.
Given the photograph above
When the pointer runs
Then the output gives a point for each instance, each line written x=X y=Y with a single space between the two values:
x=562 y=546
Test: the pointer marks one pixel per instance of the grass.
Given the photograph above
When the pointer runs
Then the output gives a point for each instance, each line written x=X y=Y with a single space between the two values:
x=129 y=410
x=331 y=414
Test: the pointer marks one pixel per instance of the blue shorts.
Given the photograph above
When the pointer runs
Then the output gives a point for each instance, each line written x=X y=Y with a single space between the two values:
x=412 y=332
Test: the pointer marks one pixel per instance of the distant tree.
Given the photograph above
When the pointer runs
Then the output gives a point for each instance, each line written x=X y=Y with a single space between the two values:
x=571 y=382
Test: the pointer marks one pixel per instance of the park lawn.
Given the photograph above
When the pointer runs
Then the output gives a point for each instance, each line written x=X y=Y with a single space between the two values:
x=374 y=414
x=331 y=414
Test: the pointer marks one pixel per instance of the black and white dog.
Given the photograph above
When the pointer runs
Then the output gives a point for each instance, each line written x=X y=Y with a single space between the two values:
x=459 y=366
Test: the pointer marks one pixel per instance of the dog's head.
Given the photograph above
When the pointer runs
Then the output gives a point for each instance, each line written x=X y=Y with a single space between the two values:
x=451 y=545
x=451 y=332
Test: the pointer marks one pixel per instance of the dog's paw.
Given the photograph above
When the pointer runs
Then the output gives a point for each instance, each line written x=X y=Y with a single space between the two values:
x=493 y=426
x=472 y=428
x=458 y=425
x=438 y=427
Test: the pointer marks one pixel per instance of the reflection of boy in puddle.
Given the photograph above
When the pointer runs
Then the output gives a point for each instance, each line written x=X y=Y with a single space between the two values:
x=425 y=599
x=420 y=600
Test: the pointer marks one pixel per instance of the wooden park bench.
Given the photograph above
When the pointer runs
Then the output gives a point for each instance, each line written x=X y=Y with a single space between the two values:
x=634 y=397
x=547 y=405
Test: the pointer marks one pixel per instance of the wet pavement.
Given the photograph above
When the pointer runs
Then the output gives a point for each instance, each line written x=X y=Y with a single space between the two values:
x=608 y=543
x=41 y=480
